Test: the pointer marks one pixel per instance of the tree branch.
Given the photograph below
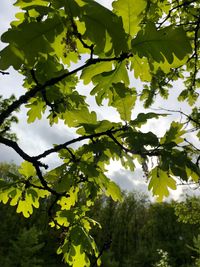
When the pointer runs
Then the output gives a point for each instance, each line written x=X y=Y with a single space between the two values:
x=38 y=88
x=43 y=181
x=79 y=36
x=78 y=139
x=153 y=152
x=4 y=73
x=32 y=160
x=180 y=112
x=184 y=4
x=20 y=152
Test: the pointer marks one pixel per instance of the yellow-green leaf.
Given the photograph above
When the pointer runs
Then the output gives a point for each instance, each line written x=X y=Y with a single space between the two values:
x=67 y=202
x=160 y=182
x=27 y=169
x=113 y=191
x=130 y=11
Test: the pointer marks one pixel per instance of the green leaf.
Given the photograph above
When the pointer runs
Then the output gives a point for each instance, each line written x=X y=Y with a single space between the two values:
x=5 y=193
x=127 y=161
x=174 y=134
x=99 y=22
x=91 y=71
x=27 y=169
x=160 y=182
x=15 y=195
x=113 y=191
x=37 y=108
x=141 y=68
x=105 y=80
x=161 y=44
x=138 y=141
x=123 y=100
x=25 y=208
x=35 y=35
x=77 y=118
x=67 y=202
x=64 y=183
x=26 y=3
x=11 y=56
x=76 y=257
x=142 y=118
x=64 y=218
x=131 y=13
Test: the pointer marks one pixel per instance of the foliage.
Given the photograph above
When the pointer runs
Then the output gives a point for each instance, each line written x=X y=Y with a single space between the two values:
x=55 y=44
x=196 y=248
x=138 y=226
x=163 y=259
x=23 y=250
x=133 y=225
x=188 y=210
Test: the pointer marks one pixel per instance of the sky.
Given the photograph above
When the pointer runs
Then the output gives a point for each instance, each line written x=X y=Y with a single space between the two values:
x=39 y=136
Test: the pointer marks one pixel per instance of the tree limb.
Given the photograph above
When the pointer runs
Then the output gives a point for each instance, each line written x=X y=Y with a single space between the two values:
x=38 y=88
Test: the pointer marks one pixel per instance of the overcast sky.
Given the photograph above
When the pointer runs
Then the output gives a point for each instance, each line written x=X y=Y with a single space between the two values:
x=34 y=138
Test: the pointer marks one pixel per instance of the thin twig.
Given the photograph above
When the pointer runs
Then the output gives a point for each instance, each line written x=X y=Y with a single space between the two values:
x=180 y=112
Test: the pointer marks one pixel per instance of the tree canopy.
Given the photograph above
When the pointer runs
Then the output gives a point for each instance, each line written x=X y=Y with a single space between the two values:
x=55 y=45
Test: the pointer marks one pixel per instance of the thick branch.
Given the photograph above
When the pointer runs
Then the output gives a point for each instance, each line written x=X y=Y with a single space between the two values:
x=75 y=140
x=38 y=88
x=110 y=133
x=32 y=160
x=20 y=152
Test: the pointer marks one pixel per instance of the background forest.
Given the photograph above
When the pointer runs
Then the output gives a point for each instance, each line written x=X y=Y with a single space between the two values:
x=135 y=233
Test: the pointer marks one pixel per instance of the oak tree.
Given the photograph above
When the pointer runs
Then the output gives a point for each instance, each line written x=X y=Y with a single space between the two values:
x=55 y=45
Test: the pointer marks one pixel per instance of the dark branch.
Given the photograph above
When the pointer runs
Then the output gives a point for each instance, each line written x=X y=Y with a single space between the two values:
x=43 y=182
x=190 y=118
x=110 y=133
x=80 y=38
x=4 y=73
x=72 y=154
x=20 y=152
x=75 y=140
x=154 y=152
x=38 y=88
x=198 y=161
x=184 y=4
x=32 y=160
x=34 y=77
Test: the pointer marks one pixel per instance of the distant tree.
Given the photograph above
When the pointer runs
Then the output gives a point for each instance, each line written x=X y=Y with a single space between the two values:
x=56 y=44
x=24 y=251
x=136 y=229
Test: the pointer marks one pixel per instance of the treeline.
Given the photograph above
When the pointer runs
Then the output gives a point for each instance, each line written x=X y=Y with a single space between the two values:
x=136 y=229
x=131 y=233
